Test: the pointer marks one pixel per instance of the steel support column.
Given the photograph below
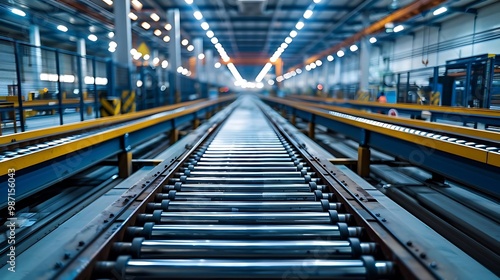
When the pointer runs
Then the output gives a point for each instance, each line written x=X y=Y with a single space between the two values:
x=174 y=52
x=123 y=38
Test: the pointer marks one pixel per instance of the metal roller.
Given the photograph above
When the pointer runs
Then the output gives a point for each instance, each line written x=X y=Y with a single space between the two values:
x=243 y=180
x=244 y=188
x=243 y=206
x=246 y=168
x=330 y=217
x=289 y=249
x=251 y=232
x=238 y=196
x=245 y=174
x=365 y=268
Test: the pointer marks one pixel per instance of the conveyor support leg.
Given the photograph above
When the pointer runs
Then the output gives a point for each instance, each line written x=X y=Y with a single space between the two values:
x=196 y=123
x=363 y=161
x=124 y=164
x=174 y=136
x=311 y=130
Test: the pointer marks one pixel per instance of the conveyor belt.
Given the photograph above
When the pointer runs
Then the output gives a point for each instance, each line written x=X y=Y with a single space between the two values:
x=245 y=205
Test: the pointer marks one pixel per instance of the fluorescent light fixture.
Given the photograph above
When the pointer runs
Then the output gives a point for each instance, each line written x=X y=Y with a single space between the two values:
x=201 y=56
x=110 y=49
x=319 y=62
x=284 y=46
x=288 y=40
x=109 y=2
x=156 y=60
x=218 y=46
x=185 y=71
x=263 y=72
x=145 y=25
x=340 y=53
x=189 y=1
x=298 y=71
x=92 y=37
x=299 y=25
x=217 y=65
x=399 y=28
x=166 y=38
x=155 y=17
x=210 y=34
x=317 y=1
x=373 y=40
x=111 y=34
x=132 y=16
x=190 y=48
x=293 y=33
x=197 y=15
x=179 y=69
x=330 y=58
x=270 y=82
x=113 y=44
x=313 y=65
x=308 y=14
x=133 y=51
x=226 y=59
x=164 y=64
x=234 y=71
x=137 y=56
x=279 y=79
x=185 y=42
x=62 y=28
x=353 y=48
x=146 y=57
x=168 y=26
x=214 y=40
x=440 y=11
x=18 y=12
x=204 y=26
x=136 y=4
x=157 y=32
x=259 y=85
x=273 y=59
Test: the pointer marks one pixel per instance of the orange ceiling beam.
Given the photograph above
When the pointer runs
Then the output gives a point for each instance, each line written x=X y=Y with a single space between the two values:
x=400 y=15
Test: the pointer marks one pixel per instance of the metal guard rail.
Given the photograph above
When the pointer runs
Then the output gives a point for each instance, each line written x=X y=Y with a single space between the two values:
x=39 y=169
x=476 y=115
x=475 y=164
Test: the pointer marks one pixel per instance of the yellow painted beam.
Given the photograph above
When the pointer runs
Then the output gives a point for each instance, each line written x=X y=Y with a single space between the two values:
x=494 y=159
x=102 y=122
x=44 y=155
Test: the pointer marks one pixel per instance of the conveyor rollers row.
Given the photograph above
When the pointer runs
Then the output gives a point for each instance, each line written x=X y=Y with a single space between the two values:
x=245 y=206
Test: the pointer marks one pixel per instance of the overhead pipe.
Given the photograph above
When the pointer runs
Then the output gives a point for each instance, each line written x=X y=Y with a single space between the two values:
x=400 y=15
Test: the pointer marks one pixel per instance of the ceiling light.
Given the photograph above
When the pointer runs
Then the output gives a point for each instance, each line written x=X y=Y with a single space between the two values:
x=440 y=11
x=234 y=71
x=210 y=34
x=214 y=40
x=280 y=50
x=109 y=2
x=185 y=42
x=157 y=32
x=146 y=57
x=330 y=58
x=317 y=1
x=132 y=16
x=373 y=40
x=308 y=14
x=179 y=69
x=92 y=37
x=62 y=28
x=201 y=56
x=218 y=45
x=226 y=59
x=189 y=2
x=263 y=72
x=197 y=15
x=293 y=33
x=190 y=48
x=205 y=25
x=113 y=45
x=185 y=71
x=308 y=68
x=313 y=65
x=18 y=12
x=217 y=65
x=164 y=64
x=273 y=59
x=288 y=40
x=319 y=62
x=399 y=28
x=299 y=25
x=340 y=53
x=156 y=60
x=137 y=5
x=155 y=17
x=145 y=25
x=110 y=49
x=137 y=55
x=353 y=48
x=298 y=71
x=166 y=38
x=111 y=34
x=284 y=45
x=133 y=51
x=270 y=82
x=168 y=26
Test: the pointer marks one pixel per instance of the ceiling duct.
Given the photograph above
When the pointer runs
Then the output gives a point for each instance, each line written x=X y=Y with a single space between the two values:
x=252 y=7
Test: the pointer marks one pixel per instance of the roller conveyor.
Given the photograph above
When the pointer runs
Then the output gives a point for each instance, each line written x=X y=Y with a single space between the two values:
x=245 y=204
